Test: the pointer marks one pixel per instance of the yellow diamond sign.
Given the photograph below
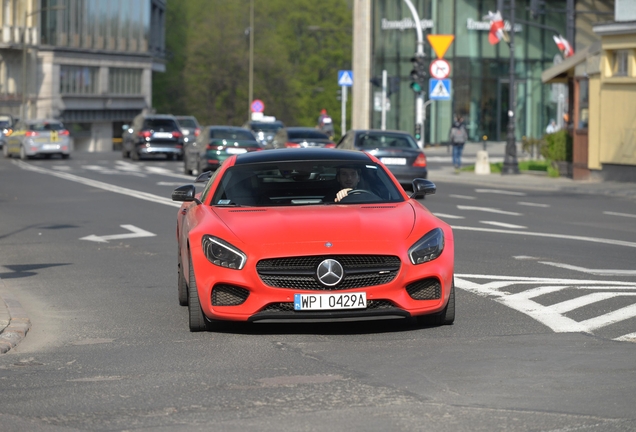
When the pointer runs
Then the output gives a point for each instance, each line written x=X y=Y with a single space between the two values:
x=440 y=43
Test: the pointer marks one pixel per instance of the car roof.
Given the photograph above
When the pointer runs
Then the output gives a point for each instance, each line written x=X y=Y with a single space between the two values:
x=397 y=132
x=225 y=127
x=159 y=116
x=302 y=128
x=304 y=154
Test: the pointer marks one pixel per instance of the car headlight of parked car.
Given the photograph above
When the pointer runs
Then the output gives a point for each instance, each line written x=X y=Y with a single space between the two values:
x=428 y=247
x=223 y=254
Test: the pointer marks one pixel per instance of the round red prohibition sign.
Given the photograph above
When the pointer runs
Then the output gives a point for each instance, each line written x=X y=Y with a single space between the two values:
x=257 y=106
x=440 y=69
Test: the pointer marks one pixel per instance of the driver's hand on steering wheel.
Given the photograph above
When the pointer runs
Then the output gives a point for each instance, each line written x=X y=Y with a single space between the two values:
x=341 y=194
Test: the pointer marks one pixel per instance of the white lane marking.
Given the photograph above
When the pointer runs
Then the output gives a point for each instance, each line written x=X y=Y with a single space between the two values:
x=448 y=216
x=136 y=232
x=587 y=299
x=530 y=204
x=525 y=257
x=551 y=315
x=503 y=225
x=488 y=210
x=631 y=337
x=598 y=272
x=620 y=214
x=100 y=185
x=462 y=197
x=500 y=192
x=61 y=167
x=537 y=234
x=104 y=170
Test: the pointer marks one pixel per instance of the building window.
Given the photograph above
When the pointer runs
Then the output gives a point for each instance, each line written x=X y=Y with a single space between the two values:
x=124 y=81
x=78 y=79
x=620 y=66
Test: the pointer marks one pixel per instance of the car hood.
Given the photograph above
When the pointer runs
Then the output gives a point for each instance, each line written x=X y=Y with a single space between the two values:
x=307 y=230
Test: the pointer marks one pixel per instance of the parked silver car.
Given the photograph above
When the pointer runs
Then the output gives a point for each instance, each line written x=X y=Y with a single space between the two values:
x=40 y=137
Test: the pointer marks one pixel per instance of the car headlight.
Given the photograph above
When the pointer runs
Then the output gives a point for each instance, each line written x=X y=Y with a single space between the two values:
x=428 y=247
x=223 y=254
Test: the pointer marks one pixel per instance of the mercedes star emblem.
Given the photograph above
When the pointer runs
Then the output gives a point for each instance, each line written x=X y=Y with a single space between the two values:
x=330 y=272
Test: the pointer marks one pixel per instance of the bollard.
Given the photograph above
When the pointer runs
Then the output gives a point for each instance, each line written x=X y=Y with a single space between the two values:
x=482 y=165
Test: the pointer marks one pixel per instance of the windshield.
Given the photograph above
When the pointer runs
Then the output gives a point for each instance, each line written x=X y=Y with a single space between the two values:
x=266 y=127
x=42 y=127
x=294 y=183
x=227 y=134
x=307 y=134
x=187 y=123
x=163 y=124
x=386 y=140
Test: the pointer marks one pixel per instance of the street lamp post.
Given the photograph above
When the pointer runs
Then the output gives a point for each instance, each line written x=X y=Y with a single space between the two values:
x=23 y=109
x=251 y=71
x=510 y=165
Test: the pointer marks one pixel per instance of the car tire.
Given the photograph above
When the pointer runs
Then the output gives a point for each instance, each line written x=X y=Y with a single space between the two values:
x=196 y=319
x=5 y=151
x=124 y=153
x=182 y=286
x=66 y=156
x=23 y=154
x=447 y=317
x=134 y=155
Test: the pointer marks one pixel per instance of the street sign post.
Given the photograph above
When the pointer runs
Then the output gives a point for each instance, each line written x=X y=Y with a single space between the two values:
x=345 y=79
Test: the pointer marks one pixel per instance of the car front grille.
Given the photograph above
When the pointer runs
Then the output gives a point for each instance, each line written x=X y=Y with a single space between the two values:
x=425 y=289
x=228 y=295
x=300 y=272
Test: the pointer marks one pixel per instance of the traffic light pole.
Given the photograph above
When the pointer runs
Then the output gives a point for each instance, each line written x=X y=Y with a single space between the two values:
x=419 y=102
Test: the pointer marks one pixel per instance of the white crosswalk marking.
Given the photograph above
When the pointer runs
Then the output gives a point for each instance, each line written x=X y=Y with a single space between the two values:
x=505 y=290
x=488 y=210
x=503 y=225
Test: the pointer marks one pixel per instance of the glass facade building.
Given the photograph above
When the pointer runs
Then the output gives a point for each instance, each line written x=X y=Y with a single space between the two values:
x=479 y=71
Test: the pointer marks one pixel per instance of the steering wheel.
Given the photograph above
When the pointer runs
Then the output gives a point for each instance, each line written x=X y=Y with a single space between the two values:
x=359 y=191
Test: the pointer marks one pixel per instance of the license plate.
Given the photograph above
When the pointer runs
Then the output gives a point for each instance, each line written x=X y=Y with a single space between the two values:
x=50 y=147
x=330 y=301
x=393 y=161
x=233 y=150
x=163 y=134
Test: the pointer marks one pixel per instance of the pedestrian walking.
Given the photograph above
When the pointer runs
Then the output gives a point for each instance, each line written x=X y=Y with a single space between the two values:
x=325 y=123
x=457 y=138
x=552 y=127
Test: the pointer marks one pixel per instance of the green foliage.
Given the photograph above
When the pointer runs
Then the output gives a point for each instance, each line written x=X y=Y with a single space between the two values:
x=558 y=146
x=299 y=47
x=526 y=165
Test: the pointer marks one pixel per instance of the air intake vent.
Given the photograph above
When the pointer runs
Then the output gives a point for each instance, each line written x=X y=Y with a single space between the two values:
x=228 y=295
x=425 y=289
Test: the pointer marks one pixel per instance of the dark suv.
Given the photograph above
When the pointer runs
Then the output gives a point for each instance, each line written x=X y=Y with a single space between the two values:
x=153 y=134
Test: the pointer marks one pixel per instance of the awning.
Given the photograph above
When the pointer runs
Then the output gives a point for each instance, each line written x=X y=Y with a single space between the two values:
x=560 y=73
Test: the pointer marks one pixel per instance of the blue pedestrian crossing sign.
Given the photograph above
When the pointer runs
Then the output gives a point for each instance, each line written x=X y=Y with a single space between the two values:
x=345 y=78
x=439 y=89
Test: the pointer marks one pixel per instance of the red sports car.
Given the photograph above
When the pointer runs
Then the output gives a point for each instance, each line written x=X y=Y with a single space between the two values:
x=294 y=235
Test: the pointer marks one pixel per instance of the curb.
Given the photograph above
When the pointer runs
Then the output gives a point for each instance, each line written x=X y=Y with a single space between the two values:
x=19 y=322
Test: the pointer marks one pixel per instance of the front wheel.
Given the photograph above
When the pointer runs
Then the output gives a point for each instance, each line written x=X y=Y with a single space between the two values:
x=196 y=319
x=23 y=154
x=5 y=151
x=182 y=286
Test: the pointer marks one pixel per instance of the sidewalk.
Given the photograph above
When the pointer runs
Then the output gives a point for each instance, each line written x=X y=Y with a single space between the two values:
x=525 y=180
x=14 y=322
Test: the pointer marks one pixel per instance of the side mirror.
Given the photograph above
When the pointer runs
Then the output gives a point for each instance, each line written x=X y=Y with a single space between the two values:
x=185 y=194
x=423 y=187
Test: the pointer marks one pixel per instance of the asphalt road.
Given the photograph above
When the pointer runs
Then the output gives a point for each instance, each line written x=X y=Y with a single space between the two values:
x=545 y=335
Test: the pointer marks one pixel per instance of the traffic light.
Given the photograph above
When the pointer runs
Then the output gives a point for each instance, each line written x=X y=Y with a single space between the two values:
x=419 y=74
x=537 y=7
x=418 y=131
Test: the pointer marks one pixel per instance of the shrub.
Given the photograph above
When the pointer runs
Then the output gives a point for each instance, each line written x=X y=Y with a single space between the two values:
x=558 y=146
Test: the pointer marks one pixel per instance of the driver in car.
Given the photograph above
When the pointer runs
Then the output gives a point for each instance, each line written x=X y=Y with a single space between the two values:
x=348 y=178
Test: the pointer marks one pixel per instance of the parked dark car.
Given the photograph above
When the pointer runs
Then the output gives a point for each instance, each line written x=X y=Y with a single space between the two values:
x=153 y=134
x=214 y=145
x=189 y=127
x=264 y=131
x=397 y=150
x=301 y=137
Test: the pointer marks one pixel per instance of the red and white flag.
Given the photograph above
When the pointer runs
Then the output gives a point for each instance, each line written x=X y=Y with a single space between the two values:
x=497 y=31
x=563 y=45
